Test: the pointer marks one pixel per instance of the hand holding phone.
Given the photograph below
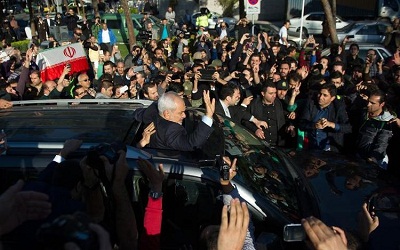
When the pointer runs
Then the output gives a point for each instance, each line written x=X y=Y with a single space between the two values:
x=123 y=89
x=294 y=232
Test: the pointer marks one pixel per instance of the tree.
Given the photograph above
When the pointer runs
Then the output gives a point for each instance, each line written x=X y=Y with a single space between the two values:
x=330 y=19
x=129 y=23
x=31 y=18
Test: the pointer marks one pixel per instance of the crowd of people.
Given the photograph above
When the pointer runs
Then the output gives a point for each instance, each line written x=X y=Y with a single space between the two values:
x=291 y=98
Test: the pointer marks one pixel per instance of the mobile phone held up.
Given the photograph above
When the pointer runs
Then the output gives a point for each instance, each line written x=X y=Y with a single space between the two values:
x=293 y=232
x=223 y=168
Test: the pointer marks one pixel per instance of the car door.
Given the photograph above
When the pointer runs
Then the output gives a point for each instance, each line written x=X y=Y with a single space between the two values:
x=369 y=34
x=313 y=23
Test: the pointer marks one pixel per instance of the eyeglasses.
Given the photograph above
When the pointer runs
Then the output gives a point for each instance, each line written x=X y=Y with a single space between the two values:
x=78 y=34
x=370 y=54
x=85 y=80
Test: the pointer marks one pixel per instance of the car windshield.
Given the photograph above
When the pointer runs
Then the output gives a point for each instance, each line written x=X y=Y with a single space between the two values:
x=349 y=27
x=260 y=167
x=55 y=124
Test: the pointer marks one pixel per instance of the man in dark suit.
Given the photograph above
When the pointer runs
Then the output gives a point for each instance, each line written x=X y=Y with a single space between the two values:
x=170 y=134
x=228 y=105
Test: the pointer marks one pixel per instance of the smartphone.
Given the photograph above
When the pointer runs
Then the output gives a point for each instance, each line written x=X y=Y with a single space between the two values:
x=101 y=52
x=223 y=168
x=123 y=89
x=350 y=36
x=205 y=32
x=138 y=69
x=293 y=232
x=68 y=65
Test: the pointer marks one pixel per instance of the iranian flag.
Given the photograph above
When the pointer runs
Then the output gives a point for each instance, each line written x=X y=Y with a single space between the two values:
x=51 y=62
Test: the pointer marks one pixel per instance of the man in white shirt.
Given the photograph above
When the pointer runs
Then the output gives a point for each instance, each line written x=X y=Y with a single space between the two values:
x=283 y=34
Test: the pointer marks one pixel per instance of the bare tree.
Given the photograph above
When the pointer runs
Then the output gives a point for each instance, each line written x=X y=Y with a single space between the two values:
x=330 y=20
x=333 y=3
x=31 y=18
x=129 y=23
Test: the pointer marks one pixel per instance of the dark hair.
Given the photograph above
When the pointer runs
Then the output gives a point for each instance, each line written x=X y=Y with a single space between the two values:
x=148 y=85
x=354 y=45
x=294 y=76
x=108 y=63
x=336 y=74
x=291 y=49
x=380 y=93
x=227 y=90
x=105 y=84
x=339 y=63
x=175 y=87
x=330 y=87
x=268 y=84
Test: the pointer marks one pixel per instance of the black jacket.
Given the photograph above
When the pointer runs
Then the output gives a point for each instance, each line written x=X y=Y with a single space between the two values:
x=336 y=113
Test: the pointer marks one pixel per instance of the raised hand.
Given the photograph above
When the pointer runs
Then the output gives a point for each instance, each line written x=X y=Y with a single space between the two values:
x=210 y=104
x=232 y=232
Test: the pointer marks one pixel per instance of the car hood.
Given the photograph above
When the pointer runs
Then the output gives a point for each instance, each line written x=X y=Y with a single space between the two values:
x=340 y=184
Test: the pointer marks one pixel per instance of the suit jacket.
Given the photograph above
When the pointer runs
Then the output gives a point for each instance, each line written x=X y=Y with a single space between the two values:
x=237 y=112
x=171 y=135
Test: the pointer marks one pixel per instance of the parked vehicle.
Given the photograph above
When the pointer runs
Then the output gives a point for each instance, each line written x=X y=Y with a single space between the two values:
x=382 y=53
x=213 y=19
x=364 y=31
x=354 y=9
x=273 y=30
x=312 y=23
x=15 y=9
x=277 y=191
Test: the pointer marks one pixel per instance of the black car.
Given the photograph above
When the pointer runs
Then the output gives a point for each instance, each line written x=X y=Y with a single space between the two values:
x=276 y=190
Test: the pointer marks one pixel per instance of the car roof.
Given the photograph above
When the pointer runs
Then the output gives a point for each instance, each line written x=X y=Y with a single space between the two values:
x=56 y=121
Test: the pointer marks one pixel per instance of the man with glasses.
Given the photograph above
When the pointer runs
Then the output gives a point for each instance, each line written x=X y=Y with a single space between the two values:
x=83 y=80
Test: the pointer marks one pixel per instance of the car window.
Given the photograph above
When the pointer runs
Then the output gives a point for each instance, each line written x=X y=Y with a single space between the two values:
x=189 y=205
x=260 y=167
x=384 y=53
x=368 y=30
x=381 y=29
x=136 y=24
x=363 y=53
x=57 y=125
x=315 y=17
x=113 y=24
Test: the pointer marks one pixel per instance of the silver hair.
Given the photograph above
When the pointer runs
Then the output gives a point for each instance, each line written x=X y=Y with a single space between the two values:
x=167 y=102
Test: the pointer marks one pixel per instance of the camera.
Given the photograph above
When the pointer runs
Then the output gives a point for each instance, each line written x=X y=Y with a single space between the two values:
x=223 y=168
x=68 y=228
x=110 y=151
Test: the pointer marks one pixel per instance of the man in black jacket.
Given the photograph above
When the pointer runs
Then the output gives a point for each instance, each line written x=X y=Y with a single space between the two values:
x=168 y=114
x=268 y=108
x=228 y=105
x=325 y=120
